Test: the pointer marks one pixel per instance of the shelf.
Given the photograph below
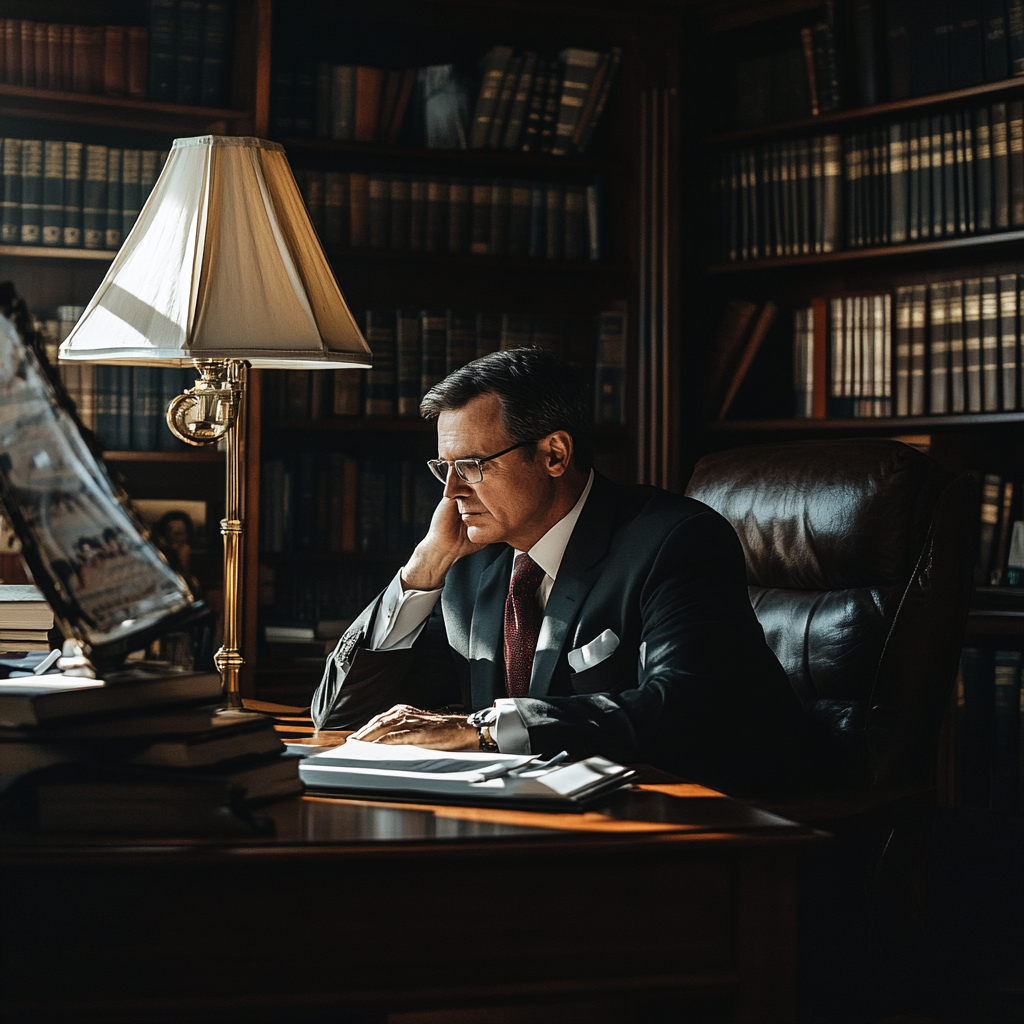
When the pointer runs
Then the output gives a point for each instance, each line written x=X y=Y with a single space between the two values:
x=505 y=158
x=485 y=263
x=196 y=456
x=113 y=111
x=822 y=121
x=900 y=424
x=882 y=252
x=56 y=252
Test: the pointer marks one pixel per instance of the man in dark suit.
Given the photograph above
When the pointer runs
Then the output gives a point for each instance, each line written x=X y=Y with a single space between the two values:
x=565 y=611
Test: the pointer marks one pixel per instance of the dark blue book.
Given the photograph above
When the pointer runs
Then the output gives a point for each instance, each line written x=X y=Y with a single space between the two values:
x=930 y=32
x=407 y=342
x=53 y=194
x=997 y=64
x=966 y=44
x=145 y=409
x=163 y=61
x=72 y=226
x=379 y=396
x=114 y=202
x=898 y=20
x=1015 y=37
x=131 y=190
x=982 y=170
x=10 y=224
x=172 y=381
x=189 y=52
x=31 y=192
x=123 y=423
x=107 y=382
x=213 y=88
x=863 y=15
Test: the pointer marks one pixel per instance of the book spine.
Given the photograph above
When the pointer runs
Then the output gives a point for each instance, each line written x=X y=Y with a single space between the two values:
x=538 y=221
x=138 y=64
x=966 y=45
x=982 y=170
x=972 y=343
x=115 y=60
x=515 y=122
x=609 y=382
x=433 y=348
x=409 y=361
x=898 y=183
x=216 y=49
x=994 y=32
x=964 y=173
x=1001 y=558
x=71 y=235
x=53 y=193
x=926 y=177
x=322 y=101
x=576 y=235
x=163 y=63
x=282 y=100
x=460 y=340
x=530 y=137
x=826 y=59
x=949 y=176
x=519 y=220
x=501 y=215
x=480 y=231
x=913 y=182
x=459 y=220
x=955 y=329
x=496 y=131
x=400 y=210
x=131 y=190
x=359 y=202
x=31 y=192
x=492 y=77
x=378 y=211
x=864 y=35
x=989 y=344
x=343 y=102
x=930 y=56
x=189 y=52
x=369 y=83
x=114 y=202
x=1015 y=145
x=437 y=215
x=938 y=180
x=594 y=219
x=1015 y=37
x=1000 y=168
x=144 y=409
x=1010 y=371
x=1006 y=703
x=580 y=69
x=918 y=347
x=555 y=206
x=336 y=228
x=10 y=73
x=589 y=126
x=550 y=115
x=803 y=191
x=938 y=357
x=898 y=48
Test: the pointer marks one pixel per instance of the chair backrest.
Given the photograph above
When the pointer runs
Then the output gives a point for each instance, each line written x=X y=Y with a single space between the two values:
x=859 y=563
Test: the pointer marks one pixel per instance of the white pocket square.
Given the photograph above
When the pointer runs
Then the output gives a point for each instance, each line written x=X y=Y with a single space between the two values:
x=593 y=653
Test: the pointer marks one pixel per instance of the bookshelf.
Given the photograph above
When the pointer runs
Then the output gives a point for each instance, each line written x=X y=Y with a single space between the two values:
x=964 y=439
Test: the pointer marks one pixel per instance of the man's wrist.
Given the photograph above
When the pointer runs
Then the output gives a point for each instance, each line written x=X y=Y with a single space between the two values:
x=423 y=572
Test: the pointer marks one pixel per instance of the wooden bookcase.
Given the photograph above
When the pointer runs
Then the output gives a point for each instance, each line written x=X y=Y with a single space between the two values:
x=973 y=442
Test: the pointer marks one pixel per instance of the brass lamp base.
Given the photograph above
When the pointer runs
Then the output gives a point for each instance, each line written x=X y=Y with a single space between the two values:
x=213 y=409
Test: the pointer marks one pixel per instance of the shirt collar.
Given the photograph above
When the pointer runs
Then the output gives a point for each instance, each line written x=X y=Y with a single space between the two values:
x=548 y=551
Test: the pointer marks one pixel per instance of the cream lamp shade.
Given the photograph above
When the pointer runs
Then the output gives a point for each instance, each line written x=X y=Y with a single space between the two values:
x=222 y=263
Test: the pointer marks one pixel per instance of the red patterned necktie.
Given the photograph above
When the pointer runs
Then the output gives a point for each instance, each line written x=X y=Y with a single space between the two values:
x=522 y=625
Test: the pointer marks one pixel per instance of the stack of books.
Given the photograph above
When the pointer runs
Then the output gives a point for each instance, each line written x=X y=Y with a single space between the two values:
x=140 y=751
x=25 y=619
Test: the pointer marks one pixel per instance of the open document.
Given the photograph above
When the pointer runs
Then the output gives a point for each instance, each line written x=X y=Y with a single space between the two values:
x=399 y=771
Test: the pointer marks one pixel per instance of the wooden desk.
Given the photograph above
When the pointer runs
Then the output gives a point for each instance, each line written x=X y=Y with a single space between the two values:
x=356 y=909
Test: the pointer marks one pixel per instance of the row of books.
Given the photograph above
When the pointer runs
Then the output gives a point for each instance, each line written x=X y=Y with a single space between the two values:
x=311 y=604
x=524 y=102
x=954 y=174
x=987 y=730
x=862 y=52
x=105 y=59
x=1001 y=534
x=333 y=502
x=859 y=357
x=70 y=195
x=139 y=751
x=182 y=57
x=25 y=619
x=490 y=217
x=415 y=349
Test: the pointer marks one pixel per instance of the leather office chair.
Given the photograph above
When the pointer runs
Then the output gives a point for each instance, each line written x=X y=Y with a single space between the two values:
x=859 y=562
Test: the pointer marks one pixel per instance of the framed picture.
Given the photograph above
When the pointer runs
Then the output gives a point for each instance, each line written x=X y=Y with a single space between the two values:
x=109 y=588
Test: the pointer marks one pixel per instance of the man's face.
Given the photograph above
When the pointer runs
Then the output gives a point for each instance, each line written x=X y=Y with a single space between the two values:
x=510 y=503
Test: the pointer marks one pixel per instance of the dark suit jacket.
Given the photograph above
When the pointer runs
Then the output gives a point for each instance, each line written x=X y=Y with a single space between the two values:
x=692 y=687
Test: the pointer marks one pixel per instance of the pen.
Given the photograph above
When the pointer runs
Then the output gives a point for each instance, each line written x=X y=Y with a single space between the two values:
x=47 y=663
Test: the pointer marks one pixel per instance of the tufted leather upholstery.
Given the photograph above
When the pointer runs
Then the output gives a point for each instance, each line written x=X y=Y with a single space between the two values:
x=859 y=562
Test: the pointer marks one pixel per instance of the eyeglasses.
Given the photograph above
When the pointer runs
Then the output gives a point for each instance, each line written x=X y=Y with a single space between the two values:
x=470 y=470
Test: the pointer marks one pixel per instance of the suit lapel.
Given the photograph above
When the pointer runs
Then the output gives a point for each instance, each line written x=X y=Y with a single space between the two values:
x=581 y=565
x=486 y=662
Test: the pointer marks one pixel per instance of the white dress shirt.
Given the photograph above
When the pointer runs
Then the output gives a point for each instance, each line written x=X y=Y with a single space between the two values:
x=404 y=613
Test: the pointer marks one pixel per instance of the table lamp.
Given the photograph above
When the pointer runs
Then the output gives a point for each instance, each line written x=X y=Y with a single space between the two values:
x=222 y=270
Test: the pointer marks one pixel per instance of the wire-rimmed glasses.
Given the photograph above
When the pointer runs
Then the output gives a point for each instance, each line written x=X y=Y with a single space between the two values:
x=470 y=470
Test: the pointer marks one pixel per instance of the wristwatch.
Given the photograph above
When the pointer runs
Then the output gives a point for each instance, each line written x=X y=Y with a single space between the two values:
x=483 y=720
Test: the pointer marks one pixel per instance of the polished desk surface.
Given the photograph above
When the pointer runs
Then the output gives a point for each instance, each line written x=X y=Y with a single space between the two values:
x=368 y=907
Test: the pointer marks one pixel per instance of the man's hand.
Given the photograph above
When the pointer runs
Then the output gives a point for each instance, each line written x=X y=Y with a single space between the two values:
x=405 y=724
x=445 y=543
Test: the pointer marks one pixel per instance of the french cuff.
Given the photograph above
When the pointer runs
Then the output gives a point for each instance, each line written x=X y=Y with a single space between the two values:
x=401 y=616
x=507 y=729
